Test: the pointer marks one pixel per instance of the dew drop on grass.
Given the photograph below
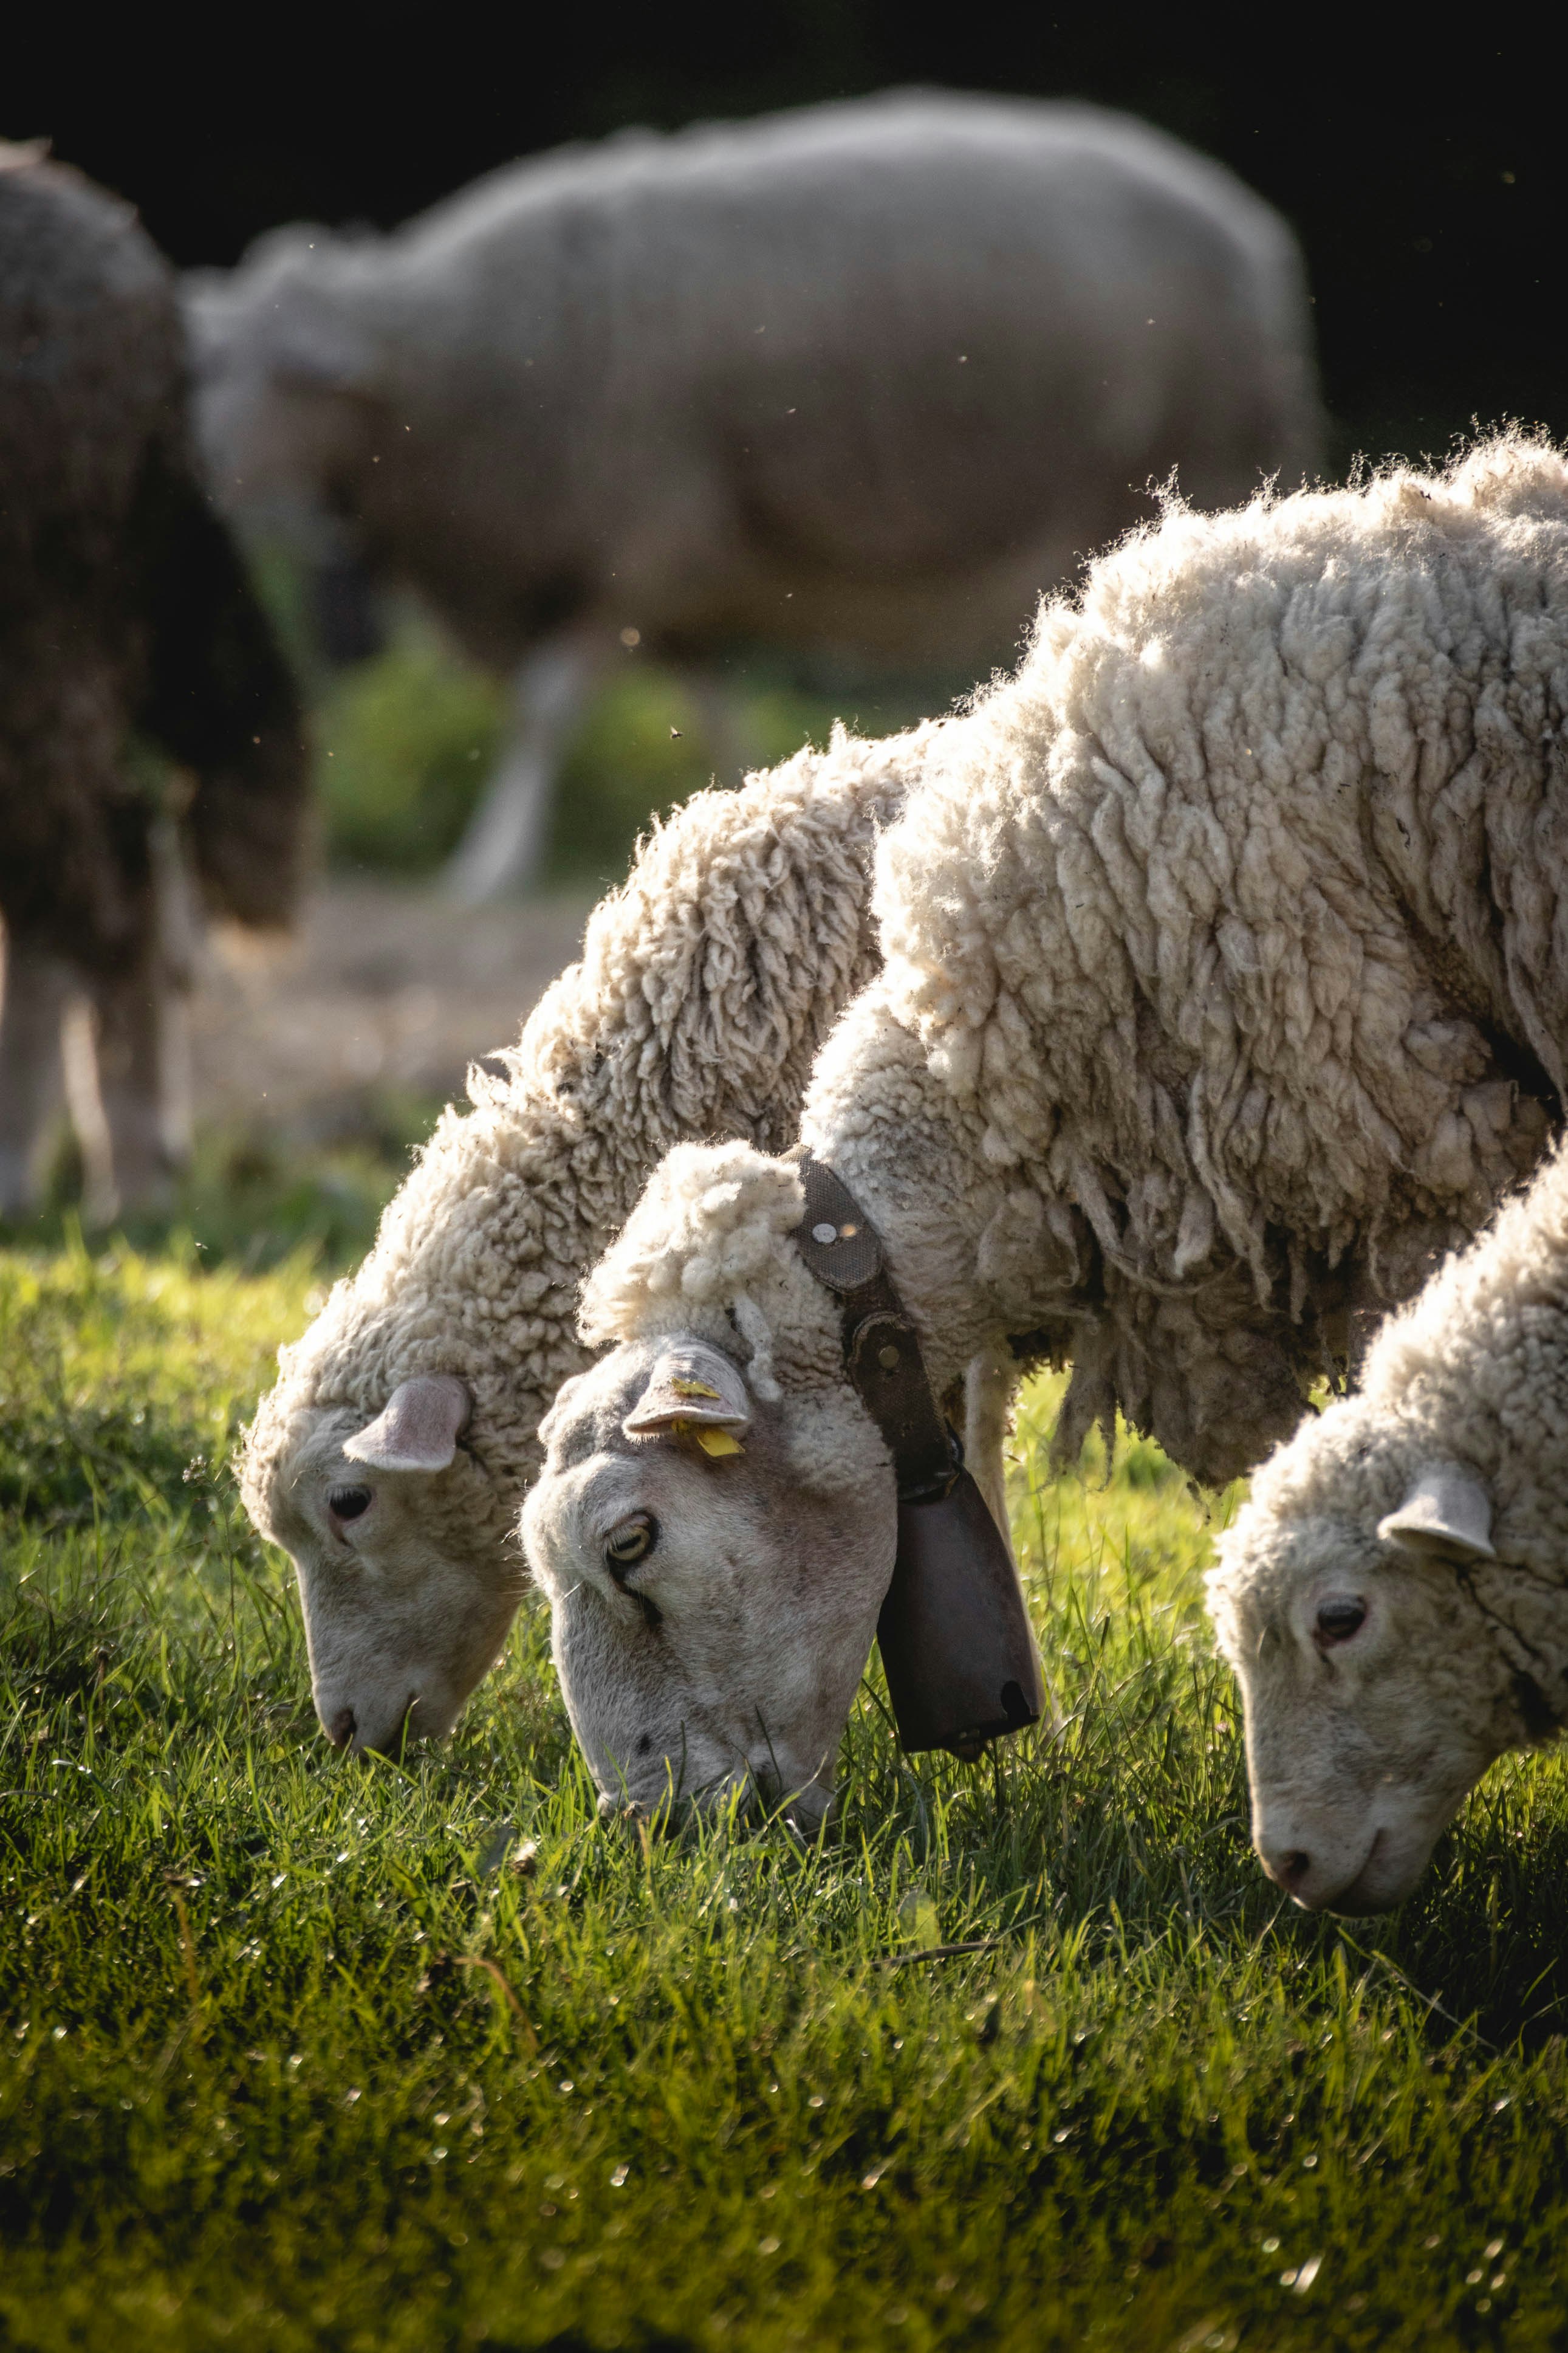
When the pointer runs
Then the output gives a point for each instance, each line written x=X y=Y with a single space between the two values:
x=1492 y=2250
x=618 y=2179
x=1271 y=2246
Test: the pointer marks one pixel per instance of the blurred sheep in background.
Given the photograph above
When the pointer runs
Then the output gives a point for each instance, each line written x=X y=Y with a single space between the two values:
x=859 y=381
x=130 y=640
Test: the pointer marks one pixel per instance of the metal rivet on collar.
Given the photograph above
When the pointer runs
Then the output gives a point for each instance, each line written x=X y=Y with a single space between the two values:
x=888 y=1358
x=824 y=1234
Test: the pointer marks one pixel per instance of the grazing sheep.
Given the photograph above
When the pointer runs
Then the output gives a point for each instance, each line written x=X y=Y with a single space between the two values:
x=1394 y=1597
x=1224 y=983
x=865 y=377
x=391 y=1459
x=122 y=608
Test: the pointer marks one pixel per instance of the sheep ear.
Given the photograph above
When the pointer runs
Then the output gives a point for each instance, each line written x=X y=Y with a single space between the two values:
x=1446 y=1515
x=694 y=1384
x=418 y=1429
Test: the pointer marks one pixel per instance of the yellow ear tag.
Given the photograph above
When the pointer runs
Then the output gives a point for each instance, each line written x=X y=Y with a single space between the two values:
x=718 y=1441
x=685 y=1387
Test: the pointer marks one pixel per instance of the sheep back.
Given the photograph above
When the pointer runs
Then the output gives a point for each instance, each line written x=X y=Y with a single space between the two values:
x=867 y=374
x=1237 y=916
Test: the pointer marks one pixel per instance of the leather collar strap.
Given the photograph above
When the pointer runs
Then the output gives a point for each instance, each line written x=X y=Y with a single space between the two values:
x=881 y=1347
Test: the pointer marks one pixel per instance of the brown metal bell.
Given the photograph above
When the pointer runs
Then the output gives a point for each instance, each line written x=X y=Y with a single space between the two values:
x=956 y=1643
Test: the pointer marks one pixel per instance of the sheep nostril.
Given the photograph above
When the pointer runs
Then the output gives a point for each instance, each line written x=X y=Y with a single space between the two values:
x=1289 y=1870
x=341 y=1728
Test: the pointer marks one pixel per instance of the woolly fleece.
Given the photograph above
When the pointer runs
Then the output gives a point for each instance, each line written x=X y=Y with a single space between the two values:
x=1224 y=956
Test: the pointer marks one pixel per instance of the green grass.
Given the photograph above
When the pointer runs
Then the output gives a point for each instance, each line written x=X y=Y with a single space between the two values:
x=255 y=1196
x=297 y=2053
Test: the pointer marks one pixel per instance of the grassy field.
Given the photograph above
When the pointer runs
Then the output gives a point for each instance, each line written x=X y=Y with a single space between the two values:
x=297 y=2054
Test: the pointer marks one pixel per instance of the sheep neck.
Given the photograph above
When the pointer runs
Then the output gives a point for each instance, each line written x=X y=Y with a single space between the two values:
x=911 y=1154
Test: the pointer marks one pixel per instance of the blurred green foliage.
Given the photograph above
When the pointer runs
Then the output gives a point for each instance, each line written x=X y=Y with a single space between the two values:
x=403 y=745
x=406 y=741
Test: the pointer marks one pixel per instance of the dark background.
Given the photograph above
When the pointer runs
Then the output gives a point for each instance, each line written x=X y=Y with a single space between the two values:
x=1423 y=168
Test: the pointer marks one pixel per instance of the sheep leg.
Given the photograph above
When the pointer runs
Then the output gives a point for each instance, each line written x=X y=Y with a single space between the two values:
x=38 y=987
x=137 y=1136
x=990 y=1385
x=505 y=839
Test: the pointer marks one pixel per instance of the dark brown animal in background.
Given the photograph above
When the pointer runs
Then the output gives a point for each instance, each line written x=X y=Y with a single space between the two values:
x=128 y=629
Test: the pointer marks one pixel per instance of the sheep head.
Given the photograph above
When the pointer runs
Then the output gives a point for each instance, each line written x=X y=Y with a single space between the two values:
x=715 y=1523
x=1348 y=1598
x=284 y=374
x=391 y=1526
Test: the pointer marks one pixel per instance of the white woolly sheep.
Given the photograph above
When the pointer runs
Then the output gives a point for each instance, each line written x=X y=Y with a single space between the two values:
x=391 y=1459
x=1393 y=1596
x=867 y=377
x=1224 y=983
x=122 y=607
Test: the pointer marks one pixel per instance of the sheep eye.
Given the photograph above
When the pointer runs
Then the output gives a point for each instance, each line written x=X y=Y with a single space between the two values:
x=631 y=1541
x=348 y=1503
x=1339 y=1619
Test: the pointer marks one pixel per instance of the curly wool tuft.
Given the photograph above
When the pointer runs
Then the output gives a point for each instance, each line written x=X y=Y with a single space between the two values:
x=706 y=1229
